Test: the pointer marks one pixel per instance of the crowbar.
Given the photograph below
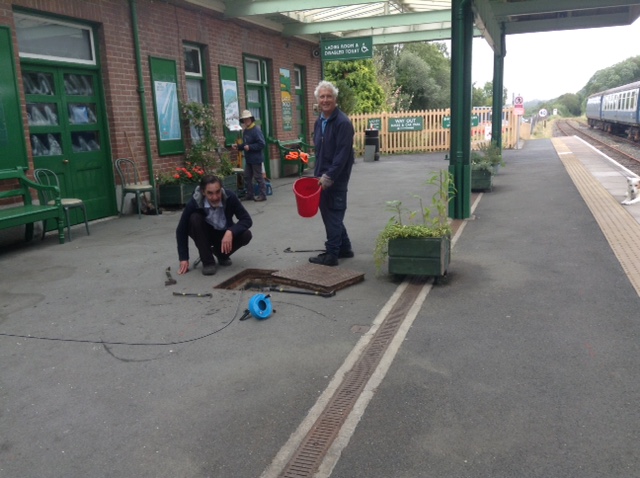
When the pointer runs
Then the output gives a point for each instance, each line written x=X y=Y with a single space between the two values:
x=272 y=288
x=288 y=249
x=191 y=294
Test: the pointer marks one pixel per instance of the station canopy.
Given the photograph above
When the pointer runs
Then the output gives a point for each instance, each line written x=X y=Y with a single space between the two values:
x=405 y=21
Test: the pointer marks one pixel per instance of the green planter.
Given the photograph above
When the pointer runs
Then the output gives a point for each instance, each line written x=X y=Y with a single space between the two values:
x=230 y=182
x=428 y=256
x=481 y=180
x=175 y=194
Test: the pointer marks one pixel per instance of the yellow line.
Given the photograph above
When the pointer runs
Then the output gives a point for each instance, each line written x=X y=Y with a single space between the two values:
x=620 y=229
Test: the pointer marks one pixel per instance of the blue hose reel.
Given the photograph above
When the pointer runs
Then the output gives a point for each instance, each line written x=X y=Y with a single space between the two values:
x=259 y=306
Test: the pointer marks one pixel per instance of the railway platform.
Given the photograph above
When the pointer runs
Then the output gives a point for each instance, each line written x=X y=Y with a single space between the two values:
x=524 y=362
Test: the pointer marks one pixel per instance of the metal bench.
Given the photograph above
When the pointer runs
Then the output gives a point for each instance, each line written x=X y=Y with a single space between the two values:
x=285 y=149
x=15 y=214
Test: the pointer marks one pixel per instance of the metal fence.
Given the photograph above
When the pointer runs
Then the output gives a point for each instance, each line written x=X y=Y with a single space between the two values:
x=429 y=131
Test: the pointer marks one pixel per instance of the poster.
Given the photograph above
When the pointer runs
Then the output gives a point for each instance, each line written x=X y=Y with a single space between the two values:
x=167 y=112
x=231 y=107
x=287 y=104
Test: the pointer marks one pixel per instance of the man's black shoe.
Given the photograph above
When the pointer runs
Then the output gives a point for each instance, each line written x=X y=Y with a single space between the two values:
x=209 y=269
x=324 y=259
x=224 y=261
x=348 y=254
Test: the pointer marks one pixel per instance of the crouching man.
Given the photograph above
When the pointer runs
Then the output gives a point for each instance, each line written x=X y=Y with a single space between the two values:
x=208 y=220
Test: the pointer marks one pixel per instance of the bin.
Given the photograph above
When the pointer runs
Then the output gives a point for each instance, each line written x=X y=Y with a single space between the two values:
x=371 y=145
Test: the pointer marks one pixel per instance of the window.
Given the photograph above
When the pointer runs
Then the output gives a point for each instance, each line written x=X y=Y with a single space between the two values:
x=252 y=70
x=194 y=72
x=48 y=39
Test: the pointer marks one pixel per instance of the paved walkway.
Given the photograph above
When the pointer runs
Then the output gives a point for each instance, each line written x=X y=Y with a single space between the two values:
x=525 y=362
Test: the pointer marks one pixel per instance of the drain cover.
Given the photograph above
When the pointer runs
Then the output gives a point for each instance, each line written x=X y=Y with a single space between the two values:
x=307 y=276
x=331 y=278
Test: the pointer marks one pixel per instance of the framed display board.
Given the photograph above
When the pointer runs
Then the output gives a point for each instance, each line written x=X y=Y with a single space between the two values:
x=230 y=103
x=164 y=81
x=13 y=151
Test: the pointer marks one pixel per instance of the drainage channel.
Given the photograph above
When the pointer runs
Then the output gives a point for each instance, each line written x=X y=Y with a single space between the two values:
x=308 y=457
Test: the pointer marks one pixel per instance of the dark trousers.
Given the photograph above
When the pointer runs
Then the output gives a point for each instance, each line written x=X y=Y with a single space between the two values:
x=209 y=240
x=333 y=206
x=251 y=172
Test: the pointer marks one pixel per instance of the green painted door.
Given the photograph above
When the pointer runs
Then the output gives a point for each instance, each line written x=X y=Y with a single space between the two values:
x=301 y=106
x=68 y=135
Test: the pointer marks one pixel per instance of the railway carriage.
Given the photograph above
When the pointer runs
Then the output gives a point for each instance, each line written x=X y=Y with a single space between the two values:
x=616 y=110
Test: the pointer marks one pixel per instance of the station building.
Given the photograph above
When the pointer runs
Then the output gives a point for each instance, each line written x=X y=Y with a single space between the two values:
x=83 y=82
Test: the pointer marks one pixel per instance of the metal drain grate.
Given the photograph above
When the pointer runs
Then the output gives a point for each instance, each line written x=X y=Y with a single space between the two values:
x=309 y=455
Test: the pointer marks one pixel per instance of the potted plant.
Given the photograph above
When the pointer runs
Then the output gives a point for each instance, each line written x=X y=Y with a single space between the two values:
x=205 y=155
x=484 y=164
x=421 y=244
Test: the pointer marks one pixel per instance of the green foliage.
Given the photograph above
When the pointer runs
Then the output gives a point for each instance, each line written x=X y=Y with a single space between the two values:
x=346 y=97
x=422 y=77
x=428 y=221
x=360 y=76
x=488 y=157
x=204 y=154
x=484 y=96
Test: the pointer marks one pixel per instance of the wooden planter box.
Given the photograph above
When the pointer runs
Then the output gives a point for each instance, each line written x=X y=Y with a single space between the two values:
x=428 y=256
x=175 y=194
x=481 y=180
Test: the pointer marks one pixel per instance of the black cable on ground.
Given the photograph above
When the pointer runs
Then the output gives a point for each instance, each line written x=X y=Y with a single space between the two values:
x=103 y=342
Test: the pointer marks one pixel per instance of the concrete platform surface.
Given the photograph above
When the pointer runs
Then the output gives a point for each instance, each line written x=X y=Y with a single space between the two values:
x=525 y=362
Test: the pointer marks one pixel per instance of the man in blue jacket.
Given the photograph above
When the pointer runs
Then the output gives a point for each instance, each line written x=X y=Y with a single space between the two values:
x=208 y=220
x=333 y=139
x=252 y=145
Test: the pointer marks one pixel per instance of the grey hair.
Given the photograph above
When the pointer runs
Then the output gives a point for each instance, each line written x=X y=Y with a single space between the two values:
x=326 y=85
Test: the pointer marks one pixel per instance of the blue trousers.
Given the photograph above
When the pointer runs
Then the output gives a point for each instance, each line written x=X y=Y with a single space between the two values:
x=333 y=206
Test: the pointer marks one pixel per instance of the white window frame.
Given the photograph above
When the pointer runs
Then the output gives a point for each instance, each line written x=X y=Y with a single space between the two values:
x=190 y=74
x=57 y=58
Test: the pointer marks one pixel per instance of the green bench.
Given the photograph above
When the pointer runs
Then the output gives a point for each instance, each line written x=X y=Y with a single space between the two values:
x=16 y=214
x=286 y=147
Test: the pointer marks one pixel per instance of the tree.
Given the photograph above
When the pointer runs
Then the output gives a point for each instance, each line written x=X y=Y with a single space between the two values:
x=359 y=75
x=484 y=96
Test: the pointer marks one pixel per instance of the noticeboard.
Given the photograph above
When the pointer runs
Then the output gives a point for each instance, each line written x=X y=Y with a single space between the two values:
x=415 y=123
x=346 y=49
x=164 y=78
x=374 y=123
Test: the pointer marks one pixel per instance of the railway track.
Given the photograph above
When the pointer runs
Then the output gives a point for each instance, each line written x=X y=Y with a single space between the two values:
x=621 y=150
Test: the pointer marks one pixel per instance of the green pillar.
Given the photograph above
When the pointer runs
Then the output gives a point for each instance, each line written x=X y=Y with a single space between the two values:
x=460 y=154
x=498 y=86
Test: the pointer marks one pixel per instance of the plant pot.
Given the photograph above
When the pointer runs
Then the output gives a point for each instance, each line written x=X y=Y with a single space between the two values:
x=230 y=182
x=175 y=194
x=481 y=180
x=428 y=256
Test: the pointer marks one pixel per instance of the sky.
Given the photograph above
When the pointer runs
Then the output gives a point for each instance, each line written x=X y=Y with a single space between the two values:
x=543 y=66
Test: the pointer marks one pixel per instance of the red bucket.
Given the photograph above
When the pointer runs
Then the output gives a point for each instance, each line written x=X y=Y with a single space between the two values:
x=307 y=191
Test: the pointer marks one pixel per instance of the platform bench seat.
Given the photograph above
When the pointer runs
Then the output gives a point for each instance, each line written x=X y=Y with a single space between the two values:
x=26 y=213
x=295 y=145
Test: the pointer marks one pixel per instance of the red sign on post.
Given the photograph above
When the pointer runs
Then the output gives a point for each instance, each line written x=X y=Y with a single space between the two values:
x=518 y=105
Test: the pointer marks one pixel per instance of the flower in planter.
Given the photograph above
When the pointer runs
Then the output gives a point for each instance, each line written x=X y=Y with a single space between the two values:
x=189 y=173
x=428 y=222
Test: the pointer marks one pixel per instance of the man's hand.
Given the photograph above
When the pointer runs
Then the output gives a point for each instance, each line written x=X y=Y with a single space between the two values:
x=184 y=267
x=325 y=182
x=227 y=243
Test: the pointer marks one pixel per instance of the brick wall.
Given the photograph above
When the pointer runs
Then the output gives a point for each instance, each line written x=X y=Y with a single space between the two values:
x=163 y=27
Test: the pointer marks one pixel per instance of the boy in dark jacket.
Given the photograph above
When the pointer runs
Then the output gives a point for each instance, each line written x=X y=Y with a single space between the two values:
x=208 y=220
x=252 y=145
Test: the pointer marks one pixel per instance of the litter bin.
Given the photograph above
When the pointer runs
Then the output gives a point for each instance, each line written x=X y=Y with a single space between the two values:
x=371 y=145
